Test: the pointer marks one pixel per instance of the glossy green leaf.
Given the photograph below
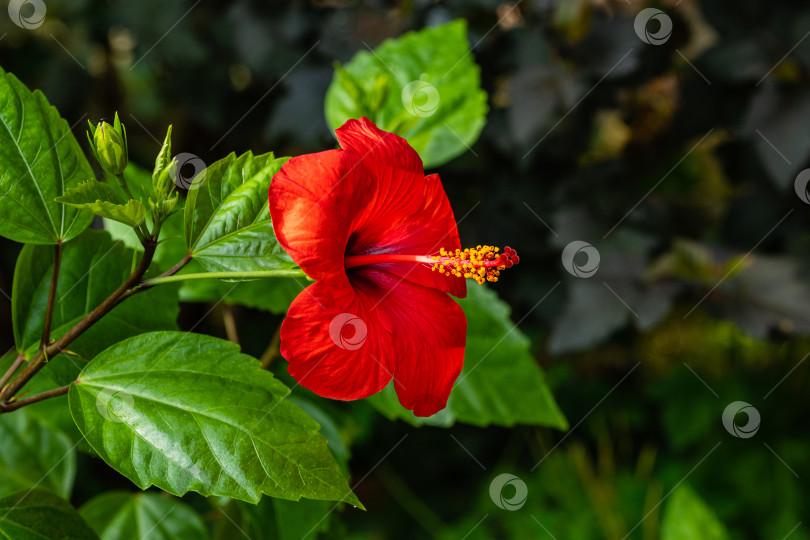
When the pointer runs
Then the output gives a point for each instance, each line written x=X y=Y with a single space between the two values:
x=121 y=515
x=501 y=382
x=227 y=218
x=188 y=412
x=32 y=453
x=686 y=516
x=270 y=294
x=424 y=86
x=41 y=515
x=93 y=266
x=100 y=199
x=39 y=160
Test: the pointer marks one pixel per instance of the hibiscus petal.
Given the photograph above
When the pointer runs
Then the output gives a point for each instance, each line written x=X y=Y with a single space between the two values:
x=408 y=214
x=429 y=336
x=377 y=148
x=336 y=344
x=314 y=200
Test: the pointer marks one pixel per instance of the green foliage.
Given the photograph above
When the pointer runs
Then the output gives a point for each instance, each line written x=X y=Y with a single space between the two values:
x=102 y=200
x=33 y=453
x=687 y=516
x=270 y=294
x=93 y=266
x=39 y=160
x=274 y=519
x=188 y=412
x=227 y=219
x=424 y=86
x=120 y=515
x=40 y=515
x=501 y=383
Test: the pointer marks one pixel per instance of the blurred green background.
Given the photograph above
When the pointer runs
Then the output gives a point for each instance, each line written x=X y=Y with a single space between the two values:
x=676 y=161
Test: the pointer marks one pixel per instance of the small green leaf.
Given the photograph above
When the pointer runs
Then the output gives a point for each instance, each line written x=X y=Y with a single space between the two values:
x=39 y=160
x=40 y=515
x=188 y=412
x=93 y=266
x=227 y=219
x=100 y=199
x=34 y=454
x=501 y=382
x=424 y=86
x=687 y=516
x=120 y=515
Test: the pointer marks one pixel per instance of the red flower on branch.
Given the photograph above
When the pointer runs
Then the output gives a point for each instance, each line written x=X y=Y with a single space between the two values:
x=380 y=240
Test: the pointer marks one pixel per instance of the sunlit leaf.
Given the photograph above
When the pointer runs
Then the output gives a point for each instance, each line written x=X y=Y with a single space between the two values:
x=188 y=412
x=100 y=199
x=424 y=86
x=39 y=160
x=227 y=218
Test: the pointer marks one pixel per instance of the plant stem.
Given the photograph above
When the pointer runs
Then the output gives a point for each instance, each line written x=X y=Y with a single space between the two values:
x=229 y=321
x=272 y=352
x=177 y=267
x=257 y=274
x=126 y=290
x=14 y=405
x=141 y=230
x=57 y=263
x=12 y=370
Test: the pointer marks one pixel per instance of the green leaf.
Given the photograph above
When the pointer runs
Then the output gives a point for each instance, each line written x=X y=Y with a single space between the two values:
x=188 y=412
x=120 y=515
x=424 y=86
x=274 y=294
x=34 y=454
x=501 y=382
x=40 y=515
x=227 y=219
x=93 y=266
x=687 y=516
x=274 y=519
x=39 y=160
x=101 y=199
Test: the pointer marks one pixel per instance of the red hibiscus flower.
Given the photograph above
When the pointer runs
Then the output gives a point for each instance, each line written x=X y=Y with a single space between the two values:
x=380 y=240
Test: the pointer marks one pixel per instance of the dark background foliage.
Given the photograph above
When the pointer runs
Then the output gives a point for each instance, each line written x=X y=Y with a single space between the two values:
x=677 y=162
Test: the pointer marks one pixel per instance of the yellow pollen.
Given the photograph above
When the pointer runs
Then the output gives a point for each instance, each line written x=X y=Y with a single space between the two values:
x=482 y=263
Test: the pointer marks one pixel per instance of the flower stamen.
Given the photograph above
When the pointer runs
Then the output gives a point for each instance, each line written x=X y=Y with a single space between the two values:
x=482 y=263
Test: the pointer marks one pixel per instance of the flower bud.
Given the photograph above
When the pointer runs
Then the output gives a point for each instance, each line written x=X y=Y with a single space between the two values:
x=109 y=144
